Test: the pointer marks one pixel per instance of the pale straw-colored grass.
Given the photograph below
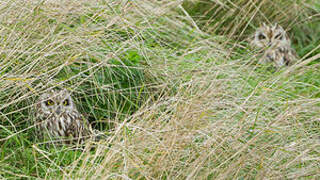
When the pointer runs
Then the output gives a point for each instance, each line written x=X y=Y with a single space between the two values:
x=187 y=105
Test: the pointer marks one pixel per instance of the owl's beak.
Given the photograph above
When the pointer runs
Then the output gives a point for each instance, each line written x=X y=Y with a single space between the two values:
x=269 y=43
x=58 y=111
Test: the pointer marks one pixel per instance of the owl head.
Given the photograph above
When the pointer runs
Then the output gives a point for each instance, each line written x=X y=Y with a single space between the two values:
x=56 y=102
x=271 y=37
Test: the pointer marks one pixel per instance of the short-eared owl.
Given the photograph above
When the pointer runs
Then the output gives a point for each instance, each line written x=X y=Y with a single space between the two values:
x=58 y=118
x=275 y=45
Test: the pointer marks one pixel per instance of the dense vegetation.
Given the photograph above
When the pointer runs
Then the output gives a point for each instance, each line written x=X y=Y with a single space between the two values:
x=174 y=85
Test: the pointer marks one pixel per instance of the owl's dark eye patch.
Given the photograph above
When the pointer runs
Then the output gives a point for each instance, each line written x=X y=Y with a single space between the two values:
x=49 y=102
x=279 y=36
x=66 y=102
x=261 y=36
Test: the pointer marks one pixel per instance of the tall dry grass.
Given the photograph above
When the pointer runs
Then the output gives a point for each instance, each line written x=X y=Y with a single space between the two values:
x=177 y=100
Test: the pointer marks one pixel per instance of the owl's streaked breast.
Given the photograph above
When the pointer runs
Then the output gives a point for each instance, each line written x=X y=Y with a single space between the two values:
x=61 y=125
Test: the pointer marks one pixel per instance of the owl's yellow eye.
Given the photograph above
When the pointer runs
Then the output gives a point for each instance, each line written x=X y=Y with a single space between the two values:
x=49 y=102
x=66 y=102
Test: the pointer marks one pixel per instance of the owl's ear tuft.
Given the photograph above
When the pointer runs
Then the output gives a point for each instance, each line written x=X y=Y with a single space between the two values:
x=66 y=92
x=279 y=27
x=44 y=96
x=264 y=24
